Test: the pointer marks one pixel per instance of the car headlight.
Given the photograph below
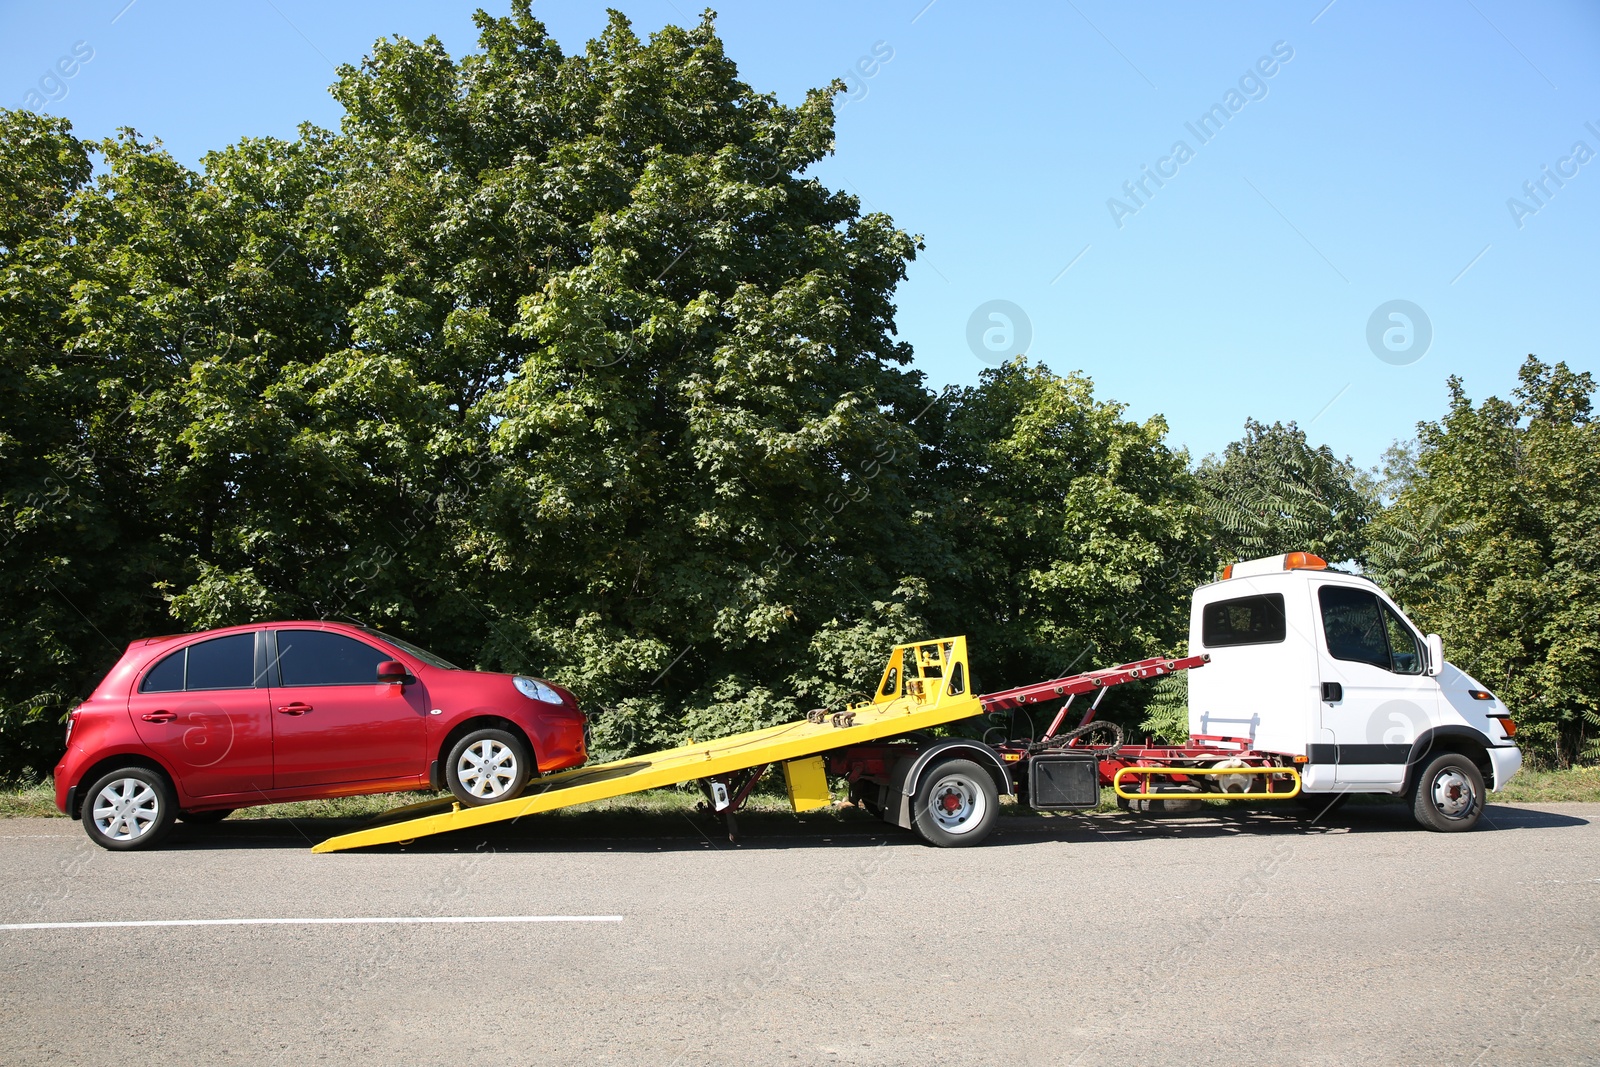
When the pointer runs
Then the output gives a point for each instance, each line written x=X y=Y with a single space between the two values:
x=534 y=689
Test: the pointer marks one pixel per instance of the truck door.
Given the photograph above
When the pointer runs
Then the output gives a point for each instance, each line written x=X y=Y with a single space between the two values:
x=1375 y=697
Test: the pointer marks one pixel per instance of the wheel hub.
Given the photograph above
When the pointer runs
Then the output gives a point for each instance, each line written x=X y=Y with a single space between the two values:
x=956 y=804
x=1453 y=795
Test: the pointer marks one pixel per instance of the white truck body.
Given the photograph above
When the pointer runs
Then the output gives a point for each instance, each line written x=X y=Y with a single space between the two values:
x=1322 y=666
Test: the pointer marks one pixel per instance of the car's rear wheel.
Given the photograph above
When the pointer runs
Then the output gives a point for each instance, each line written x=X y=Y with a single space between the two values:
x=129 y=808
x=487 y=766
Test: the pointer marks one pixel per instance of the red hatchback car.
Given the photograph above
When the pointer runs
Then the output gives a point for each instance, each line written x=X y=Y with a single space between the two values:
x=194 y=727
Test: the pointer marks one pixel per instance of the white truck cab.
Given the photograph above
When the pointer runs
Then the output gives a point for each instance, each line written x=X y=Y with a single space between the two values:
x=1321 y=666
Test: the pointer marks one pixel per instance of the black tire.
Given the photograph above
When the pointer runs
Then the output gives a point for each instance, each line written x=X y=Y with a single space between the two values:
x=1447 y=797
x=129 y=808
x=204 y=818
x=487 y=766
x=956 y=804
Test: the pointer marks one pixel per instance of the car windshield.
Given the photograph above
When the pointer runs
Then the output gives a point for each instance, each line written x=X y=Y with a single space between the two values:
x=421 y=653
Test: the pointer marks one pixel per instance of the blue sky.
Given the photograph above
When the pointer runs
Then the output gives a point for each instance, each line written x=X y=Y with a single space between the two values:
x=1374 y=164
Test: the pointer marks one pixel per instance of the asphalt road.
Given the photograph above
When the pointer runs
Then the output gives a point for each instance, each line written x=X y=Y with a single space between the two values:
x=1247 y=938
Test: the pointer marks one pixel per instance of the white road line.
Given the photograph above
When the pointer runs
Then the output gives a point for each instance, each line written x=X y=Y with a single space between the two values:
x=357 y=920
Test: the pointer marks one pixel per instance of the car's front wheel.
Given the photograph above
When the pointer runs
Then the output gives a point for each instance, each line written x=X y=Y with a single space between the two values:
x=486 y=766
x=129 y=808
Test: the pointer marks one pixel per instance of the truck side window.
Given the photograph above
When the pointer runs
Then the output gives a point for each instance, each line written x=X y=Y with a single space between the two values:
x=1247 y=620
x=1404 y=655
x=1352 y=622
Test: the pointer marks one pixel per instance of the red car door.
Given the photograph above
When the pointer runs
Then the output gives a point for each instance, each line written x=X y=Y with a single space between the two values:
x=199 y=710
x=333 y=722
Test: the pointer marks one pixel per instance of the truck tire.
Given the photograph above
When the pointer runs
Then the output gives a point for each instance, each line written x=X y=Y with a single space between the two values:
x=956 y=804
x=1447 y=796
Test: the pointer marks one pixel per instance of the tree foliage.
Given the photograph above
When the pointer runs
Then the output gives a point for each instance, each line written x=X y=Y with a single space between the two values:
x=1273 y=492
x=559 y=363
x=1493 y=541
x=567 y=364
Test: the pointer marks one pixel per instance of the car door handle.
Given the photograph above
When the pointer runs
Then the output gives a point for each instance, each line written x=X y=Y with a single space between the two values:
x=296 y=708
x=1332 y=692
x=159 y=716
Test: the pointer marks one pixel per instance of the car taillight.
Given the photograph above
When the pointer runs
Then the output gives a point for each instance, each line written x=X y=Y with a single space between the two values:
x=72 y=718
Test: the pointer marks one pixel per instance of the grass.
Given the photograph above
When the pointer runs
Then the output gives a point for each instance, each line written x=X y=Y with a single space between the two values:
x=38 y=800
x=1535 y=787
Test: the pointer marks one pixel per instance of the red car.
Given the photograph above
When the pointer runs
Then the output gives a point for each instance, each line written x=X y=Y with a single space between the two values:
x=194 y=727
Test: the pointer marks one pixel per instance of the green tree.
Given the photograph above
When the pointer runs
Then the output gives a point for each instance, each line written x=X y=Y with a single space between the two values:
x=1080 y=533
x=1273 y=492
x=1493 y=541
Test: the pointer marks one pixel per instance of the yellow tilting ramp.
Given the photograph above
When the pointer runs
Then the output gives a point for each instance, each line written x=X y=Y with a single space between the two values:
x=925 y=684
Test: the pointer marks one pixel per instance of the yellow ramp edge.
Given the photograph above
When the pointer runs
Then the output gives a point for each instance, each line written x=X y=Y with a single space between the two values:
x=924 y=684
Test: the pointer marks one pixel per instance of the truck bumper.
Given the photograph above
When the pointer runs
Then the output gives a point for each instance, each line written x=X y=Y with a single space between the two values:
x=1505 y=761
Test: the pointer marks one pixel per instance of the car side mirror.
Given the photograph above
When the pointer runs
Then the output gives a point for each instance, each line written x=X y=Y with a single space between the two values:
x=393 y=672
x=1435 y=655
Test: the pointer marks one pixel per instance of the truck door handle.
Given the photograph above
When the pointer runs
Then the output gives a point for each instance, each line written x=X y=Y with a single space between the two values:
x=159 y=716
x=1332 y=692
x=296 y=708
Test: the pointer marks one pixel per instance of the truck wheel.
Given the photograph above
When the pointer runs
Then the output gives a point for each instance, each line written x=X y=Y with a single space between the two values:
x=129 y=808
x=1447 y=796
x=486 y=766
x=956 y=805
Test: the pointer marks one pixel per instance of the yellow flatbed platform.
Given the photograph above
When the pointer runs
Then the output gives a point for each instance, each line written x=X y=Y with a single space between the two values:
x=925 y=684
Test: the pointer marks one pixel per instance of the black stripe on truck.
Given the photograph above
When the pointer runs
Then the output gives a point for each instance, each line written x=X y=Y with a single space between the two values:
x=1364 y=754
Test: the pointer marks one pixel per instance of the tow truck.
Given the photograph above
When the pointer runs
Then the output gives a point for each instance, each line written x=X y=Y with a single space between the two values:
x=1308 y=684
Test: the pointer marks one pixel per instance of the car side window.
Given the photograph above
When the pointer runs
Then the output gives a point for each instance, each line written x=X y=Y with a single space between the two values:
x=166 y=676
x=317 y=657
x=220 y=663
x=1353 y=625
x=1405 y=657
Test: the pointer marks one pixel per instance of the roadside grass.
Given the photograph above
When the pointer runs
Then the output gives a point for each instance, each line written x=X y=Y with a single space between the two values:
x=1535 y=787
x=37 y=800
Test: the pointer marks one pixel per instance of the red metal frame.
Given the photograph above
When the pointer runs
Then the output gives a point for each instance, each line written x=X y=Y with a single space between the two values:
x=874 y=761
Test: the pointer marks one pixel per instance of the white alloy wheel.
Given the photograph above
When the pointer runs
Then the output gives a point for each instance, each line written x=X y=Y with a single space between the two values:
x=125 y=809
x=487 y=768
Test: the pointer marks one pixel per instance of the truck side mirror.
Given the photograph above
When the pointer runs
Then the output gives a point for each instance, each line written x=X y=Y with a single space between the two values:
x=1435 y=655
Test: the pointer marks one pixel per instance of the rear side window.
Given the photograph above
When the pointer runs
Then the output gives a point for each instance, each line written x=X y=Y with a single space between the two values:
x=220 y=663
x=167 y=677
x=316 y=657
x=1247 y=620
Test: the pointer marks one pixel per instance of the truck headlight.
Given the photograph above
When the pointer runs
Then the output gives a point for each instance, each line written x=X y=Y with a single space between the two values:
x=534 y=689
